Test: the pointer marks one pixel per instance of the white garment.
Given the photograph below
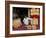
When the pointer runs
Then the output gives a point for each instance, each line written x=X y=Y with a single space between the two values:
x=26 y=20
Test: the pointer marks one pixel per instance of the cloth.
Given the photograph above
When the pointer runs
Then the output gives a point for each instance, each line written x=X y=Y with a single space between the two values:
x=26 y=20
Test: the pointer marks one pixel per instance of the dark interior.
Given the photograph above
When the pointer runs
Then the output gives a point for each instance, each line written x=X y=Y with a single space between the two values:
x=21 y=12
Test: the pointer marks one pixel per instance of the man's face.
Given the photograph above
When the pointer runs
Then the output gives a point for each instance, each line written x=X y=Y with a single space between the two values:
x=16 y=23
